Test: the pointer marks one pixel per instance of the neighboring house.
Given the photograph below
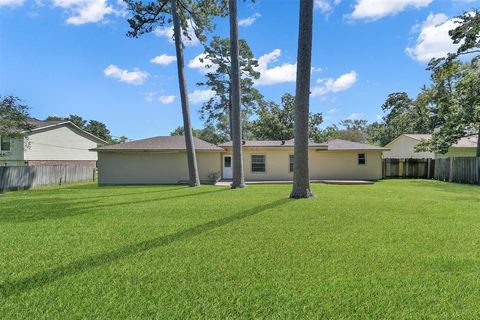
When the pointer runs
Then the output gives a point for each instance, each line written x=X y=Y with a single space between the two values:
x=49 y=143
x=163 y=160
x=403 y=147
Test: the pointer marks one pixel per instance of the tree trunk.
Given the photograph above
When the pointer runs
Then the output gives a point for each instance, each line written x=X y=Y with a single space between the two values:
x=301 y=178
x=230 y=114
x=237 y=159
x=478 y=143
x=187 y=125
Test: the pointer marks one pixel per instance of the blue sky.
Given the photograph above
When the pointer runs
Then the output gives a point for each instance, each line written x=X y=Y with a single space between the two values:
x=72 y=57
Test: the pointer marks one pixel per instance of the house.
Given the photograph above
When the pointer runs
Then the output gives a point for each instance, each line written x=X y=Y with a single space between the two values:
x=403 y=147
x=50 y=143
x=163 y=160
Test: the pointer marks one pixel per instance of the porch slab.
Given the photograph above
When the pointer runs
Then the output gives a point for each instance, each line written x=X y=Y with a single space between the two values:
x=344 y=182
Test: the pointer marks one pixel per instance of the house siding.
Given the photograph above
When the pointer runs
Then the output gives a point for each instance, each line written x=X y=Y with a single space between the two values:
x=153 y=167
x=458 y=152
x=323 y=165
x=15 y=155
x=404 y=148
x=61 y=143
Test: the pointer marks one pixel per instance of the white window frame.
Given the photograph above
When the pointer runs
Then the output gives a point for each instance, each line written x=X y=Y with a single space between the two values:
x=264 y=163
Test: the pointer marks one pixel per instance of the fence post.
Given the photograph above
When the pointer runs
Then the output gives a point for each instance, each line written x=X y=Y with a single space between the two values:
x=450 y=175
x=428 y=168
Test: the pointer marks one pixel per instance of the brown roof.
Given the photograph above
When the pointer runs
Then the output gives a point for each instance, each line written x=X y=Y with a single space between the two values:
x=272 y=143
x=161 y=143
x=37 y=124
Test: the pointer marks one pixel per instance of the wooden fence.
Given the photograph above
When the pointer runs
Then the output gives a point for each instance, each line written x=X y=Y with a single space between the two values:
x=462 y=170
x=408 y=168
x=25 y=177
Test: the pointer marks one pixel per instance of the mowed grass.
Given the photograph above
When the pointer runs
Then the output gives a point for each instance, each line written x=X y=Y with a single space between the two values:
x=396 y=249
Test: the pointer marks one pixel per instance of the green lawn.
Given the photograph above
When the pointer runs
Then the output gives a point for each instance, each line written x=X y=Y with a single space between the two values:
x=396 y=249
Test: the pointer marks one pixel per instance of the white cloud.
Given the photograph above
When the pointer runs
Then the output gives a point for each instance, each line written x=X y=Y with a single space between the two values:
x=200 y=96
x=167 y=32
x=433 y=40
x=355 y=116
x=149 y=96
x=326 y=6
x=11 y=3
x=332 y=111
x=285 y=72
x=166 y=99
x=84 y=11
x=163 y=59
x=135 y=77
x=342 y=83
x=376 y=9
x=249 y=21
x=202 y=64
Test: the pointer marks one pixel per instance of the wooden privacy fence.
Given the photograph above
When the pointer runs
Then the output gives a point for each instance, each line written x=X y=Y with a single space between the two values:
x=462 y=170
x=408 y=168
x=24 y=177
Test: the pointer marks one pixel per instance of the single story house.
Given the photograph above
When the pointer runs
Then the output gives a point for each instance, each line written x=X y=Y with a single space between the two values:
x=50 y=143
x=403 y=147
x=163 y=160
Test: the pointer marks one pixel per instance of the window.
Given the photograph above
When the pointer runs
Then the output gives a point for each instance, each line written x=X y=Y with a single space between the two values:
x=258 y=163
x=227 y=162
x=362 y=158
x=291 y=162
x=5 y=143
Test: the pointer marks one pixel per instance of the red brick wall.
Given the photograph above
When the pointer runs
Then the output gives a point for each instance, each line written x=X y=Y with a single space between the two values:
x=60 y=162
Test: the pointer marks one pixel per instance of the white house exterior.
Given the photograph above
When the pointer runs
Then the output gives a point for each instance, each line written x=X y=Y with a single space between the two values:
x=403 y=147
x=163 y=160
x=50 y=142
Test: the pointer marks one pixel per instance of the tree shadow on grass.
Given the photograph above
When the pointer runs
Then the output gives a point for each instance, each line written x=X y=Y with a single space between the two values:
x=58 y=208
x=43 y=278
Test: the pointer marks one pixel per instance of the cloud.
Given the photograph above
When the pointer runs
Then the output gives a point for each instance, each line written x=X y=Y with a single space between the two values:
x=332 y=111
x=433 y=40
x=326 y=6
x=166 y=99
x=135 y=77
x=11 y=3
x=163 y=59
x=167 y=32
x=249 y=21
x=342 y=83
x=376 y=9
x=200 y=96
x=202 y=64
x=355 y=116
x=149 y=96
x=283 y=73
x=84 y=11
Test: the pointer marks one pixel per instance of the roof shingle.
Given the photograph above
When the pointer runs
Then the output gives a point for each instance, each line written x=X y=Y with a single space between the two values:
x=161 y=143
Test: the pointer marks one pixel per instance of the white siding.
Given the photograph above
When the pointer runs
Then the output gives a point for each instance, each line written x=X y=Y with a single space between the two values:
x=404 y=148
x=61 y=143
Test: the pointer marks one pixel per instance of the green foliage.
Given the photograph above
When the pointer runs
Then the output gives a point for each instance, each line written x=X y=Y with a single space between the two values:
x=393 y=250
x=404 y=115
x=348 y=129
x=276 y=122
x=209 y=134
x=194 y=15
x=218 y=80
x=14 y=117
x=98 y=129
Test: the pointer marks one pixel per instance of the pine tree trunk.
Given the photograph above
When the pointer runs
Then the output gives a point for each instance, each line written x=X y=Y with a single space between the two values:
x=478 y=143
x=301 y=178
x=187 y=125
x=237 y=158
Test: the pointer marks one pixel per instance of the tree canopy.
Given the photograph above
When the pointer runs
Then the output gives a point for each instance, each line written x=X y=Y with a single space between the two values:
x=14 y=117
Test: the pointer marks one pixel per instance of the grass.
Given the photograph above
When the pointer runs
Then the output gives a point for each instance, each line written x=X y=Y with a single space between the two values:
x=397 y=249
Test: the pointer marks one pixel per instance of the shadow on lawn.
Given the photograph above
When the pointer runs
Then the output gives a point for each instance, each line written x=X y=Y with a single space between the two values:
x=40 y=279
x=57 y=208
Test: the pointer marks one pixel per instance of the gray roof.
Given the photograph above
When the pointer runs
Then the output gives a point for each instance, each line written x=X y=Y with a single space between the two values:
x=465 y=142
x=161 y=143
x=339 y=145
x=332 y=145
x=272 y=143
